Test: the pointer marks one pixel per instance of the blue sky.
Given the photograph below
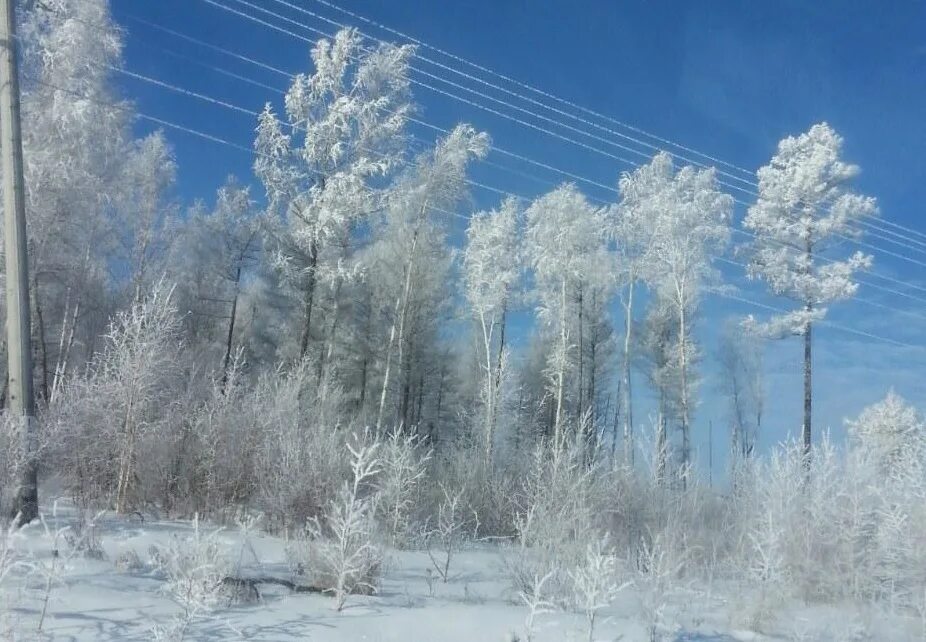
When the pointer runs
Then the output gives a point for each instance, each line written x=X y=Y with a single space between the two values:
x=729 y=79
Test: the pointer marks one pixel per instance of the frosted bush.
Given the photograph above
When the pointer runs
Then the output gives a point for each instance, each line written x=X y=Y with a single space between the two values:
x=339 y=550
x=404 y=465
x=444 y=537
x=559 y=509
x=300 y=464
x=194 y=569
x=596 y=582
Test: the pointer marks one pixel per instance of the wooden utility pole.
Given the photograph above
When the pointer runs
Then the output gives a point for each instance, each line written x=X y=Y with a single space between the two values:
x=18 y=325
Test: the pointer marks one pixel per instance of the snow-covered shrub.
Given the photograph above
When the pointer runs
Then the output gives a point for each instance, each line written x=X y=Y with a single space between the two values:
x=102 y=421
x=218 y=446
x=10 y=558
x=559 y=509
x=656 y=569
x=403 y=463
x=194 y=568
x=83 y=536
x=340 y=551
x=300 y=463
x=851 y=527
x=596 y=582
x=444 y=537
x=533 y=597
x=128 y=561
x=486 y=489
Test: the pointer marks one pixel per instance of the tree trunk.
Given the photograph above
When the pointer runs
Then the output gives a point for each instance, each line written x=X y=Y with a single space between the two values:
x=662 y=442
x=406 y=392
x=64 y=349
x=627 y=399
x=365 y=365
x=127 y=458
x=309 y=299
x=226 y=361
x=581 y=396
x=683 y=367
x=808 y=368
x=398 y=324
x=420 y=403
x=40 y=326
x=325 y=355
x=592 y=367
x=561 y=374
x=496 y=388
x=808 y=392
x=487 y=331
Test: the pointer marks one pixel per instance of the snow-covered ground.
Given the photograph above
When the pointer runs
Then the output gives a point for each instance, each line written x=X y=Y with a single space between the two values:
x=101 y=599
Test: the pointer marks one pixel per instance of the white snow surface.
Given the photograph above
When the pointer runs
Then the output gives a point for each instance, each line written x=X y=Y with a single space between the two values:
x=96 y=600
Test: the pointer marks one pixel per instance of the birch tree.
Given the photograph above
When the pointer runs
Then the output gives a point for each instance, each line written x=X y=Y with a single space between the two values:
x=344 y=129
x=740 y=358
x=491 y=266
x=212 y=258
x=805 y=209
x=691 y=223
x=564 y=247
x=434 y=184
x=631 y=230
x=75 y=134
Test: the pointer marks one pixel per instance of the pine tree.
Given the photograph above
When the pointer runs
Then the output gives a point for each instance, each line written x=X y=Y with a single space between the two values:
x=804 y=209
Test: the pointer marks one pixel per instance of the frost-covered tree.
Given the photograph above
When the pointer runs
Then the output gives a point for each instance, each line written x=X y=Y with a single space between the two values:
x=491 y=266
x=889 y=430
x=103 y=422
x=565 y=248
x=691 y=222
x=658 y=337
x=630 y=229
x=75 y=137
x=435 y=183
x=150 y=173
x=343 y=131
x=804 y=209
x=211 y=259
x=740 y=358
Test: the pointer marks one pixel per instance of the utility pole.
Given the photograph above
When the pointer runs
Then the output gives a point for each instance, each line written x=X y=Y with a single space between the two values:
x=18 y=324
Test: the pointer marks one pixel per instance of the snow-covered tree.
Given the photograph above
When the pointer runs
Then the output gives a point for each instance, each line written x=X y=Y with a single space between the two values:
x=150 y=173
x=345 y=127
x=804 y=209
x=491 y=266
x=740 y=357
x=691 y=222
x=75 y=133
x=434 y=184
x=565 y=248
x=658 y=337
x=889 y=430
x=212 y=257
x=630 y=229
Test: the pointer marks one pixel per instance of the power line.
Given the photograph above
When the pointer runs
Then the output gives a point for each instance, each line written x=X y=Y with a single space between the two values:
x=232 y=145
x=518 y=83
x=493 y=111
x=482 y=186
x=824 y=322
x=869 y=224
x=863 y=300
x=291 y=75
x=488 y=188
x=469 y=181
x=558 y=99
